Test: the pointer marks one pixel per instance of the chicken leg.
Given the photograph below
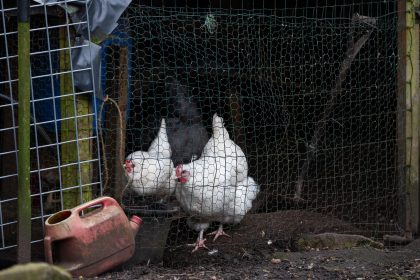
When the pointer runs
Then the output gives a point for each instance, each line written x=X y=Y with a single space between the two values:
x=199 y=243
x=218 y=233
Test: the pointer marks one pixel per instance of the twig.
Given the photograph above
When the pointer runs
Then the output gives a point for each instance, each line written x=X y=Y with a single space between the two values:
x=106 y=172
x=351 y=53
x=123 y=191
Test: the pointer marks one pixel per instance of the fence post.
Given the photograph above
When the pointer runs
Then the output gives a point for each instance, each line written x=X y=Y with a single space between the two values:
x=408 y=118
x=24 y=193
x=74 y=128
x=121 y=131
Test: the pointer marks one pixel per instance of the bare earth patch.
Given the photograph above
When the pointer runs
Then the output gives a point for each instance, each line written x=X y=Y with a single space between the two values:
x=260 y=250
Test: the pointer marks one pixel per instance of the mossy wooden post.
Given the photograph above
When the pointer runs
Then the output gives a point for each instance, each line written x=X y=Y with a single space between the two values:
x=409 y=115
x=24 y=83
x=85 y=130
x=69 y=151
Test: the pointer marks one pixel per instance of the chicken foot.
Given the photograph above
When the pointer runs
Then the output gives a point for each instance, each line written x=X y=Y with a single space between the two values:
x=219 y=232
x=199 y=243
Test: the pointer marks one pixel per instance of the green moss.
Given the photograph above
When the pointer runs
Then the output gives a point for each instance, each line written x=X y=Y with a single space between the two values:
x=301 y=244
x=280 y=255
x=35 y=271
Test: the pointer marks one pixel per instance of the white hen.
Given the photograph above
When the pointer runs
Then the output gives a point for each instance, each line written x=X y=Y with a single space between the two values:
x=149 y=172
x=212 y=188
x=227 y=153
x=191 y=183
x=208 y=203
x=239 y=202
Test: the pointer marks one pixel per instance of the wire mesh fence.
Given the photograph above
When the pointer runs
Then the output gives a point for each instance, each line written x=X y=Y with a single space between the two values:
x=65 y=169
x=306 y=90
x=307 y=141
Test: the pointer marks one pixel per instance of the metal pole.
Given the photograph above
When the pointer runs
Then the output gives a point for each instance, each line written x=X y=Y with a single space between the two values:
x=24 y=194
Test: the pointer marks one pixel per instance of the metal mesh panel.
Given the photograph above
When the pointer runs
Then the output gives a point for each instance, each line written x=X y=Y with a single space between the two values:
x=64 y=144
x=306 y=90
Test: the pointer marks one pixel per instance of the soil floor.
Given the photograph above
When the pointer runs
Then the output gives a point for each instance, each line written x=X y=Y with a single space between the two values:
x=261 y=247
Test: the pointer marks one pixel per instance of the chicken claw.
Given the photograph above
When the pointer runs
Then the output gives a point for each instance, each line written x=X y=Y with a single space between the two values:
x=218 y=233
x=199 y=244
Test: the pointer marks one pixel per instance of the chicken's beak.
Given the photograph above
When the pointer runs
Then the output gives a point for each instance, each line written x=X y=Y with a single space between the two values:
x=178 y=170
x=128 y=166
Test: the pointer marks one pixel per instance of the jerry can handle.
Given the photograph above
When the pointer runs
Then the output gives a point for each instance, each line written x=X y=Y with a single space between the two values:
x=48 y=249
x=105 y=201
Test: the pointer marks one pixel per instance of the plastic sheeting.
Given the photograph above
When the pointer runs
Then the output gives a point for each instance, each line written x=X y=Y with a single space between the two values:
x=101 y=18
x=84 y=58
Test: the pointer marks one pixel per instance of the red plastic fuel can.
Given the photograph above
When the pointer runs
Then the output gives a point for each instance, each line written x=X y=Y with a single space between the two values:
x=90 y=244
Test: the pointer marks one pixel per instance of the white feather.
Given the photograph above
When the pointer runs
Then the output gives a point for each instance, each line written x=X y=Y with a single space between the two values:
x=218 y=188
x=227 y=153
x=152 y=169
x=226 y=204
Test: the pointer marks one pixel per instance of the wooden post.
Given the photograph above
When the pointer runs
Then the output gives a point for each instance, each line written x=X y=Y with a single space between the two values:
x=412 y=116
x=85 y=131
x=24 y=111
x=69 y=151
x=121 y=124
x=408 y=118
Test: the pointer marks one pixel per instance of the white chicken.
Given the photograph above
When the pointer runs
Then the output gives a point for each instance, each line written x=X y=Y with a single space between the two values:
x=240 y=202
x=149 y=172
x=215 y=187
x=223 y=203
x=227 y=153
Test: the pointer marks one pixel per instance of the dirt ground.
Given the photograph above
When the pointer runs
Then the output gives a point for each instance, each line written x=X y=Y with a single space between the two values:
x=357 y=263
x=262 y=248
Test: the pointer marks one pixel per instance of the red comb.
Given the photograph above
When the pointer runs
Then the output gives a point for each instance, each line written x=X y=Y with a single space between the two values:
x=182 y=180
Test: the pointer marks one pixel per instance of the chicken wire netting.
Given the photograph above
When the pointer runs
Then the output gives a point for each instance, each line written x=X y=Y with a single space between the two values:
x=307 y=91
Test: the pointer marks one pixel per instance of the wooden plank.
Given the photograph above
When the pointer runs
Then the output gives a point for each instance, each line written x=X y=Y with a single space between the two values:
x=121 y=124
x=85 y=131
x=408 y=117
x=69 y=152
x=401 y=69
x=111 y=120
x=412 y=118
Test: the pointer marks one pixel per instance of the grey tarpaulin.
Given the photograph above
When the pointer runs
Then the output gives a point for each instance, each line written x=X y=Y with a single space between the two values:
x=83 y=59
x=102 y=17
x=49 y=2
